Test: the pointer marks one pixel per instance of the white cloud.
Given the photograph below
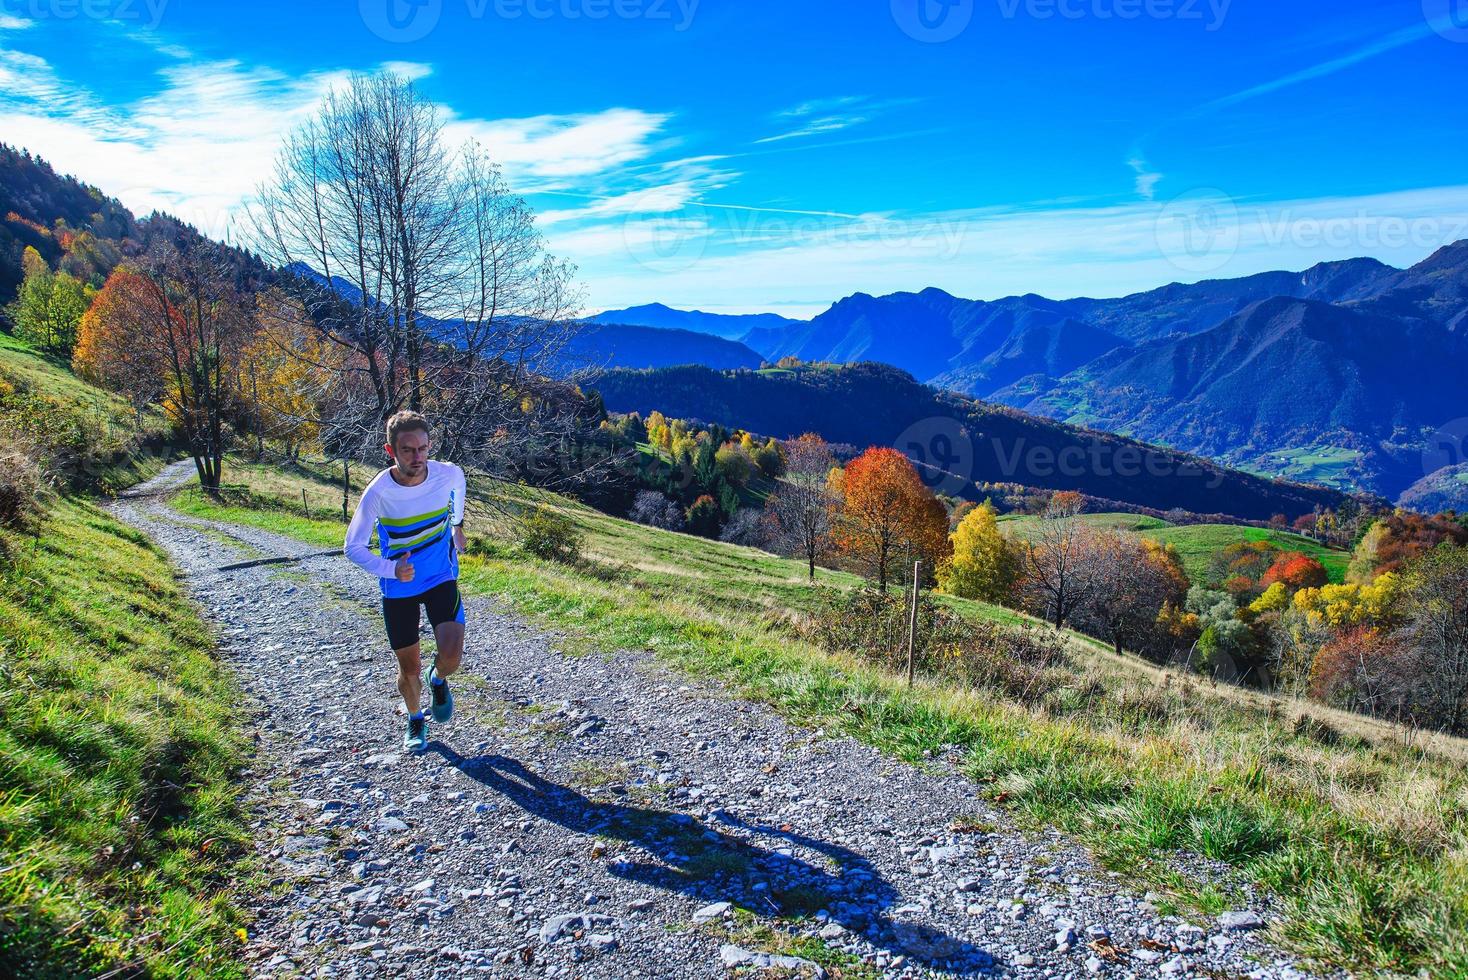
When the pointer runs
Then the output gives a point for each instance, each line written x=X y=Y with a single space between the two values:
x=200 y=144
x=799 y=266
x=1147 y=178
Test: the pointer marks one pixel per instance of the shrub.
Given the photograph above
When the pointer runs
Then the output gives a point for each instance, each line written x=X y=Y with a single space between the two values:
x=704 y=517
x=655 y=510
x=22 y=487
x=547 y=533
x=1023 y=663
x=748 y=526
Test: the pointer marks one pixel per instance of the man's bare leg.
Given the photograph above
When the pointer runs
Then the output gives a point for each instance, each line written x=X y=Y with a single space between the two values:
x=410 y=677
x=450 y=639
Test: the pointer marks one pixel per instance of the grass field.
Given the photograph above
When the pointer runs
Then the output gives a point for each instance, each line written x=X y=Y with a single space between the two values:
x=1359 y=828
x=119 y=754
x=1197 y=543
x=1330 y=465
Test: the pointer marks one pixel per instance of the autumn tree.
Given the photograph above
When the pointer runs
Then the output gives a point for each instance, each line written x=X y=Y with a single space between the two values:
x=802 y=503
x=286 y=373
x=886 y=512
x=179 y=321
x=108 y=353
x=1134 y=580
x=1061 y=567
x=49 y=306
x=984 y=563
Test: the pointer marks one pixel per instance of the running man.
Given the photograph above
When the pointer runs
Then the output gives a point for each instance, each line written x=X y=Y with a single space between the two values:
x=416 y=506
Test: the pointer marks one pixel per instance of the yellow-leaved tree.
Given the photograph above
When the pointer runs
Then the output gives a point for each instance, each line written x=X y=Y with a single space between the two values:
x=984 y=562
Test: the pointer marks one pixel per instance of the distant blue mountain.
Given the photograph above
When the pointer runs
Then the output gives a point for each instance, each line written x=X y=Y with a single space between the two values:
x=728 y=326
x=1339 y=372
x=604 y=346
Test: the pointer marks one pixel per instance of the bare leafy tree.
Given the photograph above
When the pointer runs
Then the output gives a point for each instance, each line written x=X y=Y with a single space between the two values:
x=803 y=501
x=1062 y=570
x=416 y=260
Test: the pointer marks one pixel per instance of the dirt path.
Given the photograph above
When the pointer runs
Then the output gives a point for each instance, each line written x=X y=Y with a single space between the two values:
x=591 y=816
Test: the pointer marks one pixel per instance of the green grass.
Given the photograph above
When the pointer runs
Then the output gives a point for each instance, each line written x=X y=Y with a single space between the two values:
x=1361 y=836
x=1330 y=465
x=1198 y=543
x=93 y=431
x=119 y=760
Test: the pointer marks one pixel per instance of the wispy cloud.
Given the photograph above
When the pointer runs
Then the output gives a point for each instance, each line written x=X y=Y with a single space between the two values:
x=828 y=115
x=1396 y=39
x=1147 y=178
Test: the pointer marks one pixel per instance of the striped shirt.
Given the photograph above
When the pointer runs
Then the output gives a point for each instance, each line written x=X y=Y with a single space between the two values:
x=416 y=522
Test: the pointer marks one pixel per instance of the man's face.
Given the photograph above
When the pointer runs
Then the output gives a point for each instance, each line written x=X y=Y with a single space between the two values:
x=410 y=452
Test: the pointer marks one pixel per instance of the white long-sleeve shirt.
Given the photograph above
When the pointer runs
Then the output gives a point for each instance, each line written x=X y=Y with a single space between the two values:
x=415 y=521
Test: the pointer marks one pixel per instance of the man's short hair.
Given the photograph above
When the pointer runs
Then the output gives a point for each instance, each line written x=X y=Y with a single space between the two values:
x=404 y=421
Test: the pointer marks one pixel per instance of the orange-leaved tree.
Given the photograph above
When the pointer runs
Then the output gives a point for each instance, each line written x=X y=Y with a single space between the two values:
x=174 y=324
x=886 y=512
x=108 y=352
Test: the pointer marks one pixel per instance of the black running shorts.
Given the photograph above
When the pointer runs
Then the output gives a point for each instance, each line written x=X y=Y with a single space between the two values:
x=401 y=614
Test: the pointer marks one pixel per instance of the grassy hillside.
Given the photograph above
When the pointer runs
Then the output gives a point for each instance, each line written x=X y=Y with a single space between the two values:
x=1358 y=827
x=119 y=751
x=1197 y=543
x=93 y=435
x=119 y=742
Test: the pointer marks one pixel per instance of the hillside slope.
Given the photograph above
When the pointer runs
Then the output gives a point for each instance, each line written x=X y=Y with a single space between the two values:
x=974 y=442
x=1282 y=372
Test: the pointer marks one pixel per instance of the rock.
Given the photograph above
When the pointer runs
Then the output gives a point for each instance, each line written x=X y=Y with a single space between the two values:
x=710 y=912
x=558 y=926
x=1065 y=938
x=1093 y=964
x=641 y=905
x=1241 y=920
x=1024 y=959
x=1175 y=965
x=733 y=957
x=391 y=825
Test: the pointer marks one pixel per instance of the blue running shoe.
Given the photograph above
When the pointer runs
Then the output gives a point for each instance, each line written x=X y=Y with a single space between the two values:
x=441 y=698
x=417 y=738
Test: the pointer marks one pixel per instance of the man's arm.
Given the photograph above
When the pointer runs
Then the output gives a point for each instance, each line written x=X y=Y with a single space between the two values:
x=359 y=539
x=456 y=516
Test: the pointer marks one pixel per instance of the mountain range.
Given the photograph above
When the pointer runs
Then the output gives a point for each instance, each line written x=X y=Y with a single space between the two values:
x=1340 y=373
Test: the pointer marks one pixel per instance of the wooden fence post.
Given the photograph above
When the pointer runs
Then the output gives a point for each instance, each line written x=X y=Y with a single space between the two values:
x=912 y=619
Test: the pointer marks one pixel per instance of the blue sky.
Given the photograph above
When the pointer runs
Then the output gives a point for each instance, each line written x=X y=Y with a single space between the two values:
x=741 y=156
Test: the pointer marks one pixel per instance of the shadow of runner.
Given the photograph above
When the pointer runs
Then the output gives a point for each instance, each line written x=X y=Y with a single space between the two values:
x=703 y=863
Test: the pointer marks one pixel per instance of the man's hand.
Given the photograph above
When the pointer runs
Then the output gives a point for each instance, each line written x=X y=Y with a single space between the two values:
x=459 y=541
x=403 y=570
